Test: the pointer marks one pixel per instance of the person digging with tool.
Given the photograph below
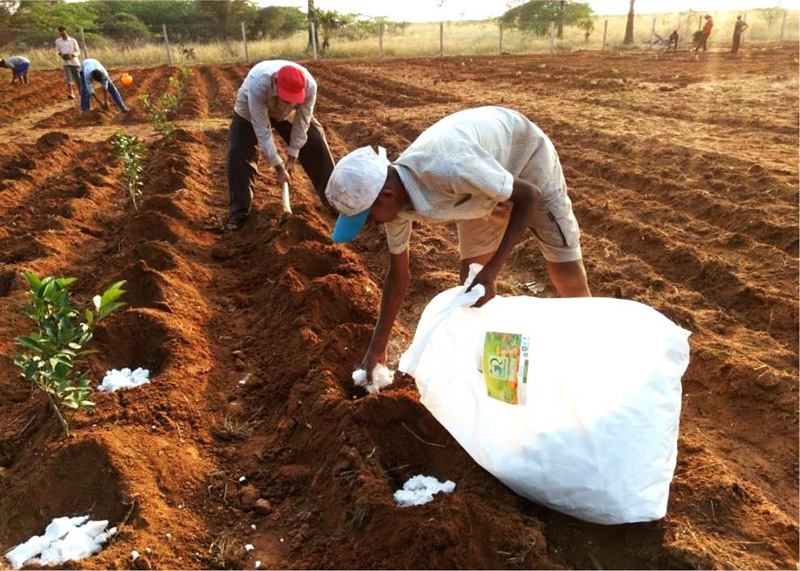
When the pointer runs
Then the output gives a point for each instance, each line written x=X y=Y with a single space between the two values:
x=91 y=71
x=489 y=169
x=279 y=94
x=706 y=32
x=68 y=50
x=19 y=68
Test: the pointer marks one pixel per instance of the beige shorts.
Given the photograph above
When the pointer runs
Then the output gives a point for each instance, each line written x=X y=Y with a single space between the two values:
x=554 y=226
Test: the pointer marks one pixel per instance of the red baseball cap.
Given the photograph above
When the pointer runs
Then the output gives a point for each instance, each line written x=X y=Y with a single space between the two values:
x=291 y=84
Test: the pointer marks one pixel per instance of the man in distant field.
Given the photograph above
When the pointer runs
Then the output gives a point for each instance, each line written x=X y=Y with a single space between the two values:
x=738 y=28
x=68 y=50
x=490 y=170
x=706 y=32
x=19 y=68
x=672 y=41
x=93 y=71
x=281 y=95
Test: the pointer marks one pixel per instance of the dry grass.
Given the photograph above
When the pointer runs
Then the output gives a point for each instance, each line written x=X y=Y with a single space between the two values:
x=460 y=38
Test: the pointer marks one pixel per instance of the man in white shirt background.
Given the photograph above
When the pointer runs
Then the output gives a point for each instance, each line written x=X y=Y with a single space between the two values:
x=68 y=50
x=281 y=95
x=489 y=169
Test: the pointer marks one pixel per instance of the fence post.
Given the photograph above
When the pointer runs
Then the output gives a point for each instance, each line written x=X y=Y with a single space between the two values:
x=244 y=42
x=380 y=39
x=605 y=33
x=313 y=39
x=166 y=43
x=550 y=34
x=441 y=39
x=700 y=22
x=83 y=42
x=783 y=23
x=500 y=46
x=653 y=32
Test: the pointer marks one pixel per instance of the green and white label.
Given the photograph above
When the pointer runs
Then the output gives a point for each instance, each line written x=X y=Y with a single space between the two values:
x=505 y=366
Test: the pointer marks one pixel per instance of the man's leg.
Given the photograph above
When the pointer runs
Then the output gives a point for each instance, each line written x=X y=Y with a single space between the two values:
x=569 y=278
x=115 y=95
x=242 y=157
x=315 y=156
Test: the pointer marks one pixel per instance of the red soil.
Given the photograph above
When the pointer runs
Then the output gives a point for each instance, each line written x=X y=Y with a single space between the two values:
x=684 y=178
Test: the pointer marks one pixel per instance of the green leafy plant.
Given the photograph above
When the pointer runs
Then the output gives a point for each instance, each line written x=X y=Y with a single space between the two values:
x=50 y=355
x=129 y=152
x=157 y=115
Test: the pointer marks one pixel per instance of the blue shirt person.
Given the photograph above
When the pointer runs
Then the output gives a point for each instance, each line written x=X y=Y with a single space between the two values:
x=93 y=71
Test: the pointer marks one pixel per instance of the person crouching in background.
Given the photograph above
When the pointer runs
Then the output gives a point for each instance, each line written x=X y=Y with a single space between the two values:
x=19 y=68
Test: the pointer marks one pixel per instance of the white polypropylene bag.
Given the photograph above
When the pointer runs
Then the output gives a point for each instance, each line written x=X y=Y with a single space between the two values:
x=597 y=435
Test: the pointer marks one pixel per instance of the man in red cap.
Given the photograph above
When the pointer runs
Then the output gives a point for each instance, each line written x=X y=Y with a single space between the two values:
x=279 y=94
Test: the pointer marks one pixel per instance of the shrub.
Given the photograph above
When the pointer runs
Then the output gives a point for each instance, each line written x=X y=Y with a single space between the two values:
x=50 y=355
x=129 y=152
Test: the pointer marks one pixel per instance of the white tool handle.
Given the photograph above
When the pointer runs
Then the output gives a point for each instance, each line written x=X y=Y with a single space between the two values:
x=287 y=205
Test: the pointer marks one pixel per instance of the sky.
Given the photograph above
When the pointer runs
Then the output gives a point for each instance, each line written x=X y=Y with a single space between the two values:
x=428 y=10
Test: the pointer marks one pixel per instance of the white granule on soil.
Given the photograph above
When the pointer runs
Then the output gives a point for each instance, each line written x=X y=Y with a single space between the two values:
x=65 y=539
x=124 y=379
x=381 y=377
x=420 y=490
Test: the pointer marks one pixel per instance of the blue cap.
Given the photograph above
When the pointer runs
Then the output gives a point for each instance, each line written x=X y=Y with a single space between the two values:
x=348 y=227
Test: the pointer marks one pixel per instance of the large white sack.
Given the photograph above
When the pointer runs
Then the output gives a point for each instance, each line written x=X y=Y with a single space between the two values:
x=597 y=435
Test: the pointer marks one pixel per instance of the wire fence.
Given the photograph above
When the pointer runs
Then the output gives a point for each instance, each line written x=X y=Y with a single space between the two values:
x=424 y=39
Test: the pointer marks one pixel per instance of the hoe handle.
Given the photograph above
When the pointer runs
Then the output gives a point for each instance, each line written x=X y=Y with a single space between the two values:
x=287 y=205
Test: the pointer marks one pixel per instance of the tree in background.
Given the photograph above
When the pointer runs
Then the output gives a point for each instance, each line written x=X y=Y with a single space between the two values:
x=536 y=16
x=125 y=28
x=330 y=22
x=772 y=15
x=587 y=25
x=629 y=27
x=277 y=22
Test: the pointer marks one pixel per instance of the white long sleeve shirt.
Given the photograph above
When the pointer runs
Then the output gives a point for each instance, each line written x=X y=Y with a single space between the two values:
x=257 y=102
x=69 y=47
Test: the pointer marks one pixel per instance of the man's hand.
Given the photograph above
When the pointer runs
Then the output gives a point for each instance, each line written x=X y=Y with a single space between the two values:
x=289 y=165
x=372 y=358
x=487 y=278
x=282 y=175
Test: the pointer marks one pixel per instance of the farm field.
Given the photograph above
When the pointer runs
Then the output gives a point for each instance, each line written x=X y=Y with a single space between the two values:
x=683 y=176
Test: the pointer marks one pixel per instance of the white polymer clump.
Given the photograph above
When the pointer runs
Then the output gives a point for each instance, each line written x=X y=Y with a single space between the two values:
x=124 y=379
x=381 y=377
x=65 y=539
x=420 y=490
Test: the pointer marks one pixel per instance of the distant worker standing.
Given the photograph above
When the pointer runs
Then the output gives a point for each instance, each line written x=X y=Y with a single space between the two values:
x=91 y=71
x=279 y=94
x=19 y=68
x=68 y=50
x=492 y=172
x=702 y=43
x=739 y=27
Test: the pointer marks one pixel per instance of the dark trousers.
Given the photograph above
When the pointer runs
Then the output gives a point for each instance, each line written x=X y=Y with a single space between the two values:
x=315 y=158
x=737 y=39
x=702 y=43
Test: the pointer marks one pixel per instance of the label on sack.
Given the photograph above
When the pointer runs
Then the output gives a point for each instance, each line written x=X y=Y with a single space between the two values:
x=505 y=366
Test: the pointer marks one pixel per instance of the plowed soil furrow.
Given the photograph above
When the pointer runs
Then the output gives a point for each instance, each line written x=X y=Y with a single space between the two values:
x=759 y=224
x=251 y=337
x=195 y=104
x=224 y=91
x=151 y=81
x=42 y=90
